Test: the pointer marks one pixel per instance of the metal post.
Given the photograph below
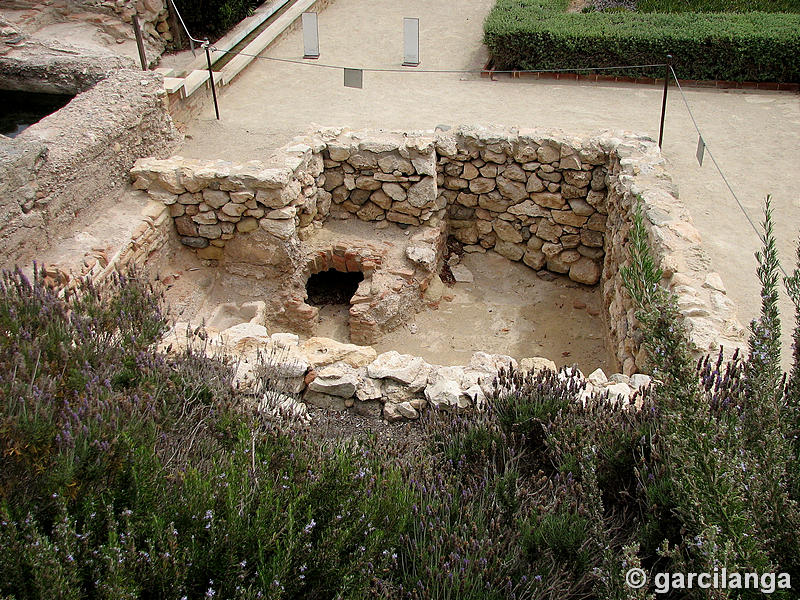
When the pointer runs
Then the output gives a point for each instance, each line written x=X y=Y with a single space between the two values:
x=667 y=74
x=137 y=31
x=211 y=78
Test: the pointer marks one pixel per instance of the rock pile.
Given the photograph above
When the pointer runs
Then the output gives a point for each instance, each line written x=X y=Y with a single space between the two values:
x=324 y=373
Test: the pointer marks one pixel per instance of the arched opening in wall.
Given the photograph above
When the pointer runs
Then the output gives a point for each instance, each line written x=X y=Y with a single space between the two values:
x=331 y=292
x=332 y=287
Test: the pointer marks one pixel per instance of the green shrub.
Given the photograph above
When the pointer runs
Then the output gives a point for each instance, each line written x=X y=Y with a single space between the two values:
x=537 y=34
x=213 y=18
x=718 y=6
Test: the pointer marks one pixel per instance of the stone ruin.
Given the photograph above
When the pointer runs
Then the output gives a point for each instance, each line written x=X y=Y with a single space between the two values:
x=557 y=203
x=80 y=155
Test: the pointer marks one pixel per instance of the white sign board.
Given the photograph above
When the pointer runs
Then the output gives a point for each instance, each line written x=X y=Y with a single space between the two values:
x=410 y=42
x=310 y=35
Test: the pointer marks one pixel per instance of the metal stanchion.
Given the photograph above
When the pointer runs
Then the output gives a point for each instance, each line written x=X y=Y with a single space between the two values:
x=206 y=45
x=137 y=31
x=667 y=74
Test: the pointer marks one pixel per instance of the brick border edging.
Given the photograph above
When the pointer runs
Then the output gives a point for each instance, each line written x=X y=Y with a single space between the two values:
x=489 y=71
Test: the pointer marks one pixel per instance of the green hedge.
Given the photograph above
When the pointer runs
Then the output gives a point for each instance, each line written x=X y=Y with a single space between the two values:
x=792 y=6
x=537 y=34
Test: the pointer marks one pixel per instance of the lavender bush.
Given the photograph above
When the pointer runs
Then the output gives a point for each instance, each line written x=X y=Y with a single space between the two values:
x=130 y=473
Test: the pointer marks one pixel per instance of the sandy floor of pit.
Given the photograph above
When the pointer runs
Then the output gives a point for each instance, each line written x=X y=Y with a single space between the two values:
x=755 y=136
x=507 y=309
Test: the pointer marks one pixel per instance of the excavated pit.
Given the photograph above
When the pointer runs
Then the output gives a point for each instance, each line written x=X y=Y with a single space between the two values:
x=23 y=109
x=466 y=241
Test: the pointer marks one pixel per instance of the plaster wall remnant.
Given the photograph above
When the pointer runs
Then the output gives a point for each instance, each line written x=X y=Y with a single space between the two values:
x=77 y=156
x=553 y=201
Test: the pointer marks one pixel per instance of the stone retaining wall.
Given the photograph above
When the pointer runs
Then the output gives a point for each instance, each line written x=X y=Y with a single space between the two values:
x=332 y=375
x=553 y=201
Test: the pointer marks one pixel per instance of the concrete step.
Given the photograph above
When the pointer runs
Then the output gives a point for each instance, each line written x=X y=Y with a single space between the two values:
x=258 y=45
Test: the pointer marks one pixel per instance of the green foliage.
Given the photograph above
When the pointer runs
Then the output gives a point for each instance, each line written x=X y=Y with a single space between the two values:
x=720 y=458
x=538 y=34
x=213 y=18
x=771 y=6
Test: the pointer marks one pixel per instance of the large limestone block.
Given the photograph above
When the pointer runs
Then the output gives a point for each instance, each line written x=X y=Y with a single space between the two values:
x=425 y=164
x=537 y=364
x=535 y=259
x=507 y=232
x=443 y=393
x=422 y=193
x=585 y=270
x=245 y=337
x=509 y=250
x=422 y=254
x=528 y=208
x=491 y=363
x=482 y=185
x=548 y=199
x=281 y=228
x=399 y=367
x=335 y=380
x=321 y=351
x=548 y=154
x=391 y=163
x=514 y=190
x=549 y=231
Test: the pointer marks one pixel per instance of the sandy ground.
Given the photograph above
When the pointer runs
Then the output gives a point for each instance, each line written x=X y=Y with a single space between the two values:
x=755 y=136
x=507 y=309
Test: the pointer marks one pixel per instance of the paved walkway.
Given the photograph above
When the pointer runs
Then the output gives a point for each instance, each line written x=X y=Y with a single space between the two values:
x=755 y=136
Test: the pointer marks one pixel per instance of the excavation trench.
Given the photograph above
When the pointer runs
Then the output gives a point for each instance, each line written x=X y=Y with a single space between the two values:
x=450 y=246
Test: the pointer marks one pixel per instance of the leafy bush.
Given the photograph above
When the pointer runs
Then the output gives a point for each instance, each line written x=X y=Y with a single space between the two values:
x=213 y=18
x=718 y=6
x=538 y=34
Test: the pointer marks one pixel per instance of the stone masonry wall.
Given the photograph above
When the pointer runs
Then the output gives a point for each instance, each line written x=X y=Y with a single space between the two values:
x=552 y=201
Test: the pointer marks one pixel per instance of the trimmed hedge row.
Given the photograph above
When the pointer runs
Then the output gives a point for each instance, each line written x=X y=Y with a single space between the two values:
x=537 y=34
x=792 y=6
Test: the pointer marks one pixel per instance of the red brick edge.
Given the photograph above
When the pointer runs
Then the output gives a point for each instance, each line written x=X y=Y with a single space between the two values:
x=490 y=72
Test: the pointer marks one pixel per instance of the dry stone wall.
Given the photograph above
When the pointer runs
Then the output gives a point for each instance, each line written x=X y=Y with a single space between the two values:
x=554 y=202
x=332 y=375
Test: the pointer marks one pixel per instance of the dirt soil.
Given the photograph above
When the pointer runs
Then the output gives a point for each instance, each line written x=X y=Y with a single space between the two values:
x=507 y=309
x=755 y=136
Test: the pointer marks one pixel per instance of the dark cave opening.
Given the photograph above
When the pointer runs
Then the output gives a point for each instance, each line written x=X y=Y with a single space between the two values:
x=332 y=287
